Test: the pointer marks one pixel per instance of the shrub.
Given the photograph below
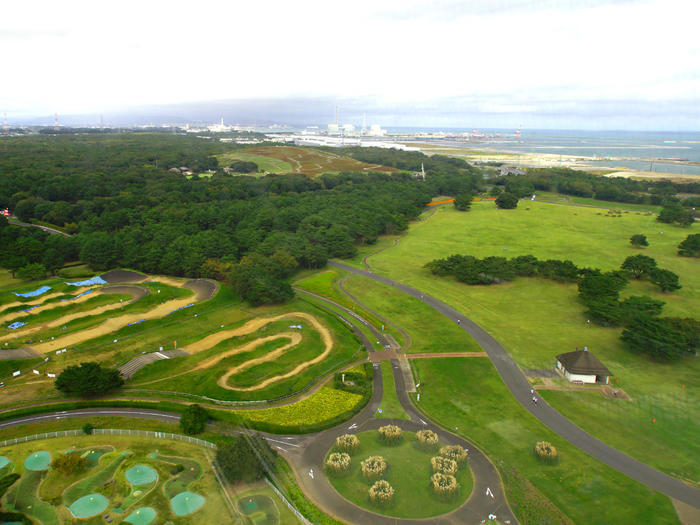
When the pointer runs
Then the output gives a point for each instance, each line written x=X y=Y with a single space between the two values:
x=338 y=462
x=194 y=420
x=390 y=434
x=444 y=465
x=373 y=467
x=347 y=443
x=88 y=428
x=427 y=439
x=690 y=247
x=381 y=493
x=455 y=453
x=88 y=380
x=546 y=452
x=70 y=463
x=444 y=485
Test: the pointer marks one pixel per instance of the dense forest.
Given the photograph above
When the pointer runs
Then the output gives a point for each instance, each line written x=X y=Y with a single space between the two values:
x=118 y=195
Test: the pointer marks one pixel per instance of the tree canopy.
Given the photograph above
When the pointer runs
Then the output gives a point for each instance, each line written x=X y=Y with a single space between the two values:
x=690 y=246
x=507 y=201
x=194 y=420
x=88 y=380
x=245 y=458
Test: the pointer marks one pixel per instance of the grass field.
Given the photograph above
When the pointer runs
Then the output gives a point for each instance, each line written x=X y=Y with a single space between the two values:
x=106 y=476
x=468 y=397
x=537 y=319
x=390 y=406
x=291 y=159
x=408 y=472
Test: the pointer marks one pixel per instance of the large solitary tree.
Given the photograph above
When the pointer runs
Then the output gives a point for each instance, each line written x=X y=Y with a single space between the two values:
x=194 y=419
x=507 y=201
x=690 y=247
x=88 y=380
x=638 y=240
x=639 y=265
x=463 y=201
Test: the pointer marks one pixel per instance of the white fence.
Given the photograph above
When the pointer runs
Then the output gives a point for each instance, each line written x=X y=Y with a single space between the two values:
x=109 y=432
x=286 y=501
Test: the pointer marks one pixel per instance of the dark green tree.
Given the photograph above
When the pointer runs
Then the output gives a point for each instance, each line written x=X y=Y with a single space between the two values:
x=70 y=463
x=507 y=201
x=32 y=272
x=689 y=329
x=654 y=336
x=639 y=265
x=463 y=201
x=638 y=240
x=88 y=380
x=194 y=420
x=245 y=458
x=690 y=246
x=665 y=279
x=675 y=213
x=636 y=305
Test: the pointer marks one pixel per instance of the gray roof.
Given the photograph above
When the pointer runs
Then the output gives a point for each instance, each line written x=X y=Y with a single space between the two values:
x=582 y=362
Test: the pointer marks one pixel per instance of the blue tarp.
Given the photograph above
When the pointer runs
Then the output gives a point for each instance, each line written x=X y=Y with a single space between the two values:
x=15 y=326
x=79 y=295
x=36 y=292
x=89 y=282
x=181 y=308
x=30 y=308
x=136 y=322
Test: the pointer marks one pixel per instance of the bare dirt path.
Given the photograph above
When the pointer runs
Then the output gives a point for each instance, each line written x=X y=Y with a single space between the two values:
x=248 y=328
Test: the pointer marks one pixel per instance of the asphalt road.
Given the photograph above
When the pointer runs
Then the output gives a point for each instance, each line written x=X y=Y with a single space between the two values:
x=169 y=417
x=519 y=386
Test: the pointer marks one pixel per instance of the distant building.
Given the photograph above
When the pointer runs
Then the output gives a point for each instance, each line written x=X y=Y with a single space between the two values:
x=375 y=130
x=5 y=213
x=583 y=367
x=510 y=170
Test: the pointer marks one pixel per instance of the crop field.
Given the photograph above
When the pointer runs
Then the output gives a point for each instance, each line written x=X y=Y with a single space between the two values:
x=536 y=320
x=290 y=159
x=135 y=480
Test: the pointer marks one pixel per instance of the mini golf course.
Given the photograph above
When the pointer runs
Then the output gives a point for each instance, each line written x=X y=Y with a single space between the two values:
x=128 y=481
x=408 y=471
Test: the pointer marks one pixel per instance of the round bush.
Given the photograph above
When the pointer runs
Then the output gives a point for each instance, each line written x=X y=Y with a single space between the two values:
x=381 y=493
x=390 y=434
x=444 y=485
x=373 y=467
x=427 y=439
x=546 y=452
x=347 y=443
x=338 y=462
x=455 y=453
x=444 y=465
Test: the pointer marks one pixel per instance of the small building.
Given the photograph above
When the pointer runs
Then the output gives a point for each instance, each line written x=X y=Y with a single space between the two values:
x=583 y=367
x=510 y=170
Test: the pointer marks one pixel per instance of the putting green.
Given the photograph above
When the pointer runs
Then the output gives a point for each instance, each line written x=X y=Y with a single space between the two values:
x=89 y=506
x=186 y=503
x=142 y=516
x=3 y=461
x=141 y=475
x=38 y=461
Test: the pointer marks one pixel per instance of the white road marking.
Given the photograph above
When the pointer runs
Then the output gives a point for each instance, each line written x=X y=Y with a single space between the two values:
x=286 y=443
x=423 y=422
x=311 y=473
x=354 y=425
x=488 y=492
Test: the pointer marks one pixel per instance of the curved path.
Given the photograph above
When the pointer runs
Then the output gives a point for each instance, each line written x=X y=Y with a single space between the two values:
x=519 y=386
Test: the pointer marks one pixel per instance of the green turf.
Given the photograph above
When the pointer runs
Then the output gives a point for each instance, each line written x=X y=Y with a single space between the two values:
x=268 y=164
x=141 y=516
x=91 y=483
x=89 y=506
x=537 y=319
x=390 y=406
x=141 y=475
x=186 y=503
x=468 y=397
x=204 y=382
x=6 y=279
x=414 y=316
x=191 y=471
x=408 y=472
x=22 y=497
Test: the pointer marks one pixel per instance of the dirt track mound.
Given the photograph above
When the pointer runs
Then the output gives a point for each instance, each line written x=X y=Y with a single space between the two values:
x=136 y=292
x=18 y=353
x=122 y=276
x=204 y=288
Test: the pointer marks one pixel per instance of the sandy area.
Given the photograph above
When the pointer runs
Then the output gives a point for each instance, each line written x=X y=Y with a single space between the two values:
x=248 y=328
x=110 y=325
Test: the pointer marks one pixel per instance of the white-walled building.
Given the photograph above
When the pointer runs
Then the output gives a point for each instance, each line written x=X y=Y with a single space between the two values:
x=582 y=366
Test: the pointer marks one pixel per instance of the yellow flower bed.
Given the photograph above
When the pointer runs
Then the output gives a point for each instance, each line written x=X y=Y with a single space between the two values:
x=324 y=405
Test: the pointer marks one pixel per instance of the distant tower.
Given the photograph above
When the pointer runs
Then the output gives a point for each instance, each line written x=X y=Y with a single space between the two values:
x=364 y=123
x=55 y=121
x=222 y=122
x=4 y=122
x=102 y=123
x=336 y=115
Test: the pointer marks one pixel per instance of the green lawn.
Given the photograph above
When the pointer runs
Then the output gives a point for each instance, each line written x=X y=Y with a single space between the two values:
x=468 y=397
x=429 y=334
x=408 y=472
x=390 y=406
x=536 y=319
x=6 y=279
x=269 y=164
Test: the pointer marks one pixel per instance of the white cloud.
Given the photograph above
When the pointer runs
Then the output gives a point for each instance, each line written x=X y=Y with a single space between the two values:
x=80 y=56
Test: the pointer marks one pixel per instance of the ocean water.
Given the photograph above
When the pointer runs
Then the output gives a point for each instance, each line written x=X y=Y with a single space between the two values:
x=642 y=150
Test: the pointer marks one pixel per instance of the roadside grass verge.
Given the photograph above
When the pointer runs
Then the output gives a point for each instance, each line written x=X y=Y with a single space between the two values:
x=390 y=406
x=468 y=397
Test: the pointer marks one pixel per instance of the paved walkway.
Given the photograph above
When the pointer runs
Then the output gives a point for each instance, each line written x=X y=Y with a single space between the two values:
x=519 y=386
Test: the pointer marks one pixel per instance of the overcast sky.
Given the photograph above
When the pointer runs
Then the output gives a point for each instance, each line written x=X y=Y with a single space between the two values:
x=484 y=63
